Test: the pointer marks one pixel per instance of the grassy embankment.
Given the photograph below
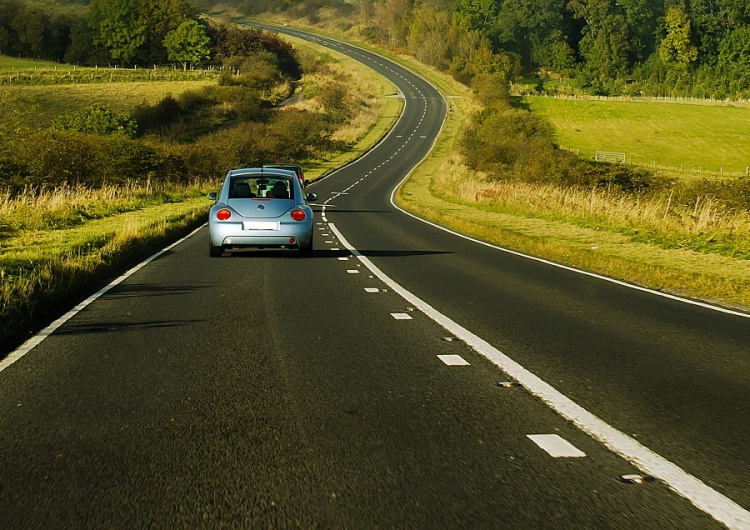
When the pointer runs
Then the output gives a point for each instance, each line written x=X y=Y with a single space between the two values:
x=60 y=243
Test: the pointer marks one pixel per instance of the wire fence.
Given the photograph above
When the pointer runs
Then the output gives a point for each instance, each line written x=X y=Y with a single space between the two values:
x=58 y=75
x=654 y=99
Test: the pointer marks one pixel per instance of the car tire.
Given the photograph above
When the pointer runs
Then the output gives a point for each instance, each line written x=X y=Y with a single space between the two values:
x=214 y=251
x=307 y=250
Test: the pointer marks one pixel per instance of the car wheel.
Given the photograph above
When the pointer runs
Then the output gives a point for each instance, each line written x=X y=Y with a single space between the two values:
x=307 y=250
x=214 y=251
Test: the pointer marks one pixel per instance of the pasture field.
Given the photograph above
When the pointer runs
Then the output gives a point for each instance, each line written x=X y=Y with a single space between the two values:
x=8 y=65
x=39 y=105
x=700 y=140
x=40 y=91
x=57 y=8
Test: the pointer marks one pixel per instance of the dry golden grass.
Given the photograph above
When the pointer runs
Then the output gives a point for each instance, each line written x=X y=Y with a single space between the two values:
x=67 y=206
x=602 y=208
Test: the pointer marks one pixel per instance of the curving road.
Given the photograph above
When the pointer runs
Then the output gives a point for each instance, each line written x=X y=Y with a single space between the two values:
x=404 y=377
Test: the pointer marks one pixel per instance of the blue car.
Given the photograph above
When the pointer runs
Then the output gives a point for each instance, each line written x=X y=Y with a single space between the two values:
x=261 y=208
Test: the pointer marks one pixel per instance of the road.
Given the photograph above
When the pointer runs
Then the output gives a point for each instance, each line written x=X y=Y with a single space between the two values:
x=403 y=377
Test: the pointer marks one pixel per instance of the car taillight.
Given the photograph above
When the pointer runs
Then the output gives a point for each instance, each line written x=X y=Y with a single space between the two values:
x=298 y=215
x=223 y=214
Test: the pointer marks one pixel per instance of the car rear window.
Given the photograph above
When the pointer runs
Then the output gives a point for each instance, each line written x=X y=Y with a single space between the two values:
x=265 y=186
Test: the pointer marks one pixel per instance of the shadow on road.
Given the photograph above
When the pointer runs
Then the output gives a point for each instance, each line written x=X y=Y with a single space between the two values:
x=115 y=327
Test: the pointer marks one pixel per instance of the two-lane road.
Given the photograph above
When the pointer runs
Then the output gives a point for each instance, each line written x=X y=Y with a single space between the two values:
x=263 y=390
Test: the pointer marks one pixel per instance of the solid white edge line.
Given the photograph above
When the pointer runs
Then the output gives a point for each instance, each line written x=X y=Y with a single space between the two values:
x=33 y=342
x=694 y=490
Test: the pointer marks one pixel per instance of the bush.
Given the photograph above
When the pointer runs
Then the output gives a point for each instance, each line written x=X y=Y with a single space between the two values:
x=96 y=119
x=497 y=138
x=158 y=117
x=53 y=158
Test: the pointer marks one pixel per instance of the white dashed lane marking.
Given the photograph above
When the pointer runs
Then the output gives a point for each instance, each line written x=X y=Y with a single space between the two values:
x=453 y=360
x=556 y=446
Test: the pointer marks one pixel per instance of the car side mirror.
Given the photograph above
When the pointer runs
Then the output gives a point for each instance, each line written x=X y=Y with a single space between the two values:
x=213 y=196
x=311 y=197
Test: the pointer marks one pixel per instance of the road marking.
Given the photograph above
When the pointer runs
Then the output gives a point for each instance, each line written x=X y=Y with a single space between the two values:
x=401 y=316
x=556 y=446
x=372 y=290
x=453 y=360
x=721 y=508
x=352 y=271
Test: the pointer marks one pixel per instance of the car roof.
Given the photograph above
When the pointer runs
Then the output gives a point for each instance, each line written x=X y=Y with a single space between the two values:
x=261 y=171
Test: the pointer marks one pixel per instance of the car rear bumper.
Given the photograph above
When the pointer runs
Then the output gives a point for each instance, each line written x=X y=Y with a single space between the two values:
x=232 y=235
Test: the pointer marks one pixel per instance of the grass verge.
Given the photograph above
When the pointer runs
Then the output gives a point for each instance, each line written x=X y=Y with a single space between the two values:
x=44 y=271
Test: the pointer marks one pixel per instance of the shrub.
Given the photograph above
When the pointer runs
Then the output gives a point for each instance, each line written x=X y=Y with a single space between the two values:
x=158 y=117
x=96 y=119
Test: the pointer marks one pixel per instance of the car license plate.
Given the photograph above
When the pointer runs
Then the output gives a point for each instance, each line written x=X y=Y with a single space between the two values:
x=260 y=225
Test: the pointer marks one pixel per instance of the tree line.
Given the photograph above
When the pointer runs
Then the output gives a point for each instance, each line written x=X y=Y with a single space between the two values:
x=692 y=48
x=132 y=32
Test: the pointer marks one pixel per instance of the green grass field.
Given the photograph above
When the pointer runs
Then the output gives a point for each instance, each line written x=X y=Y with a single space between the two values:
x=694 y=138
x=9 y=65
x=42 y=104
x=66 y=87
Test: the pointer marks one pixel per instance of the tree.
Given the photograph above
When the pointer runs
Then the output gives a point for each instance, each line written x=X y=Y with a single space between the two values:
x=188 y=44
x=9 y=9
x=735 y=48
x=391 y=20
x=81 y=45
x=676 y=47
x=428 y=36
x=161 y=17
x=118 y=27
x=32 y=30
x=475 y=14
x=642 y=17
x=605 y=42
x=531 y=28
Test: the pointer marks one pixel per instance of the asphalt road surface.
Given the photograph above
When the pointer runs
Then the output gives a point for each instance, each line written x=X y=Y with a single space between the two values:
x=403 y=377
